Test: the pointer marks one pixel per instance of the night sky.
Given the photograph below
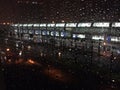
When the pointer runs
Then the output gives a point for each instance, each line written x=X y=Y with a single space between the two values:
x=58 y=10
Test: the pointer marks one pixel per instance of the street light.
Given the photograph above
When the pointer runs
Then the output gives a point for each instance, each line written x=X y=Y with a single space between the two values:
x=104 y=43
x=104 y=46
x=7 y=49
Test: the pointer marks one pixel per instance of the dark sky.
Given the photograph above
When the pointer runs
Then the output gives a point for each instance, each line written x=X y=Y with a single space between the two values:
x=57 y=10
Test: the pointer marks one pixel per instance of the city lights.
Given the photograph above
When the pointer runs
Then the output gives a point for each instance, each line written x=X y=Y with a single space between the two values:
x=60 y=44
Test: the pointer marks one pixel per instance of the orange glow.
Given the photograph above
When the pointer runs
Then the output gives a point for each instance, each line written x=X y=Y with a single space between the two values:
x=19 y=61
x=57 y=74
x=31 y=61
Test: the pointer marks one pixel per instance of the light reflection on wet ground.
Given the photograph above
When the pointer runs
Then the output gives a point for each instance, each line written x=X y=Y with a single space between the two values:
x=58 y=74
x=53 y=72
x=48 y=70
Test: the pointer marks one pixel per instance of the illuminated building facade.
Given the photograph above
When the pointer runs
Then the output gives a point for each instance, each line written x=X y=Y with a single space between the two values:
x=71 y=34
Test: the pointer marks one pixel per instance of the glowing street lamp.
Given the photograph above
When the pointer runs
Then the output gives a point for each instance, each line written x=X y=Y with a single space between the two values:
x=59 y=54
x=7 y=49
x=104 y=43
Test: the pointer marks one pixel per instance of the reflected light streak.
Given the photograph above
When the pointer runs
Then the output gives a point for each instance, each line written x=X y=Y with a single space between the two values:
x=57 y=74
x=30 y=61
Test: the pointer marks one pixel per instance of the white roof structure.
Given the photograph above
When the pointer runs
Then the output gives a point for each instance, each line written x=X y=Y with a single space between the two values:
x=84 y=24
x=72 y=25
x=116 y=24
x=101 y=24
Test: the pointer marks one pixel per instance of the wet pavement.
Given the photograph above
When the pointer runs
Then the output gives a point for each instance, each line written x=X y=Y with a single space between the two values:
x=29 y=76
x=44 y=67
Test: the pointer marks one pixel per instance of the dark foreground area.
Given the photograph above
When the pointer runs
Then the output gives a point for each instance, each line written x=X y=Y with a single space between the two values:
x=34 y=76
x=45 y=67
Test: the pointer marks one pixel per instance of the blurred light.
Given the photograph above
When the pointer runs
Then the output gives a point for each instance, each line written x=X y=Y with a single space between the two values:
x=34 y=2
x=74 y=36
x=101 y=24
x=20 y=53
x=70 y=49
x=81 y=36
x=24 y=25
x=60 y=24
x=43 y=25
x=104 y=43
x=17 y=45
x=113 y=80
x=115 y=58
x=29 y=47
x=9 y=60
x=7 y=49
x=4 y=23
x=71 y=24
x=116 y=24
x=53 y=21
x=59 y=54
x=41 y=54
x=31 y=61
x=51 y=25
x=116 y=39
x=57 y=34
x=84 y=24
x=118 y=51
x=96 y=37
x=8 y=23
x=36 y=25
x=5 y=58
x=30 y=25
x=63 y=21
